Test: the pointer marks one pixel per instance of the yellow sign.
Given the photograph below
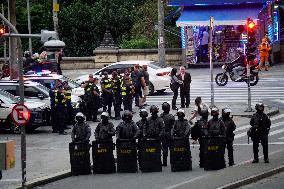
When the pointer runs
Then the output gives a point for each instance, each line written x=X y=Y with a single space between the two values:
x=179 y=149
x=125 y=151
x=56 y=7
x=102 y=150
x=150 y=150
x=213 y=148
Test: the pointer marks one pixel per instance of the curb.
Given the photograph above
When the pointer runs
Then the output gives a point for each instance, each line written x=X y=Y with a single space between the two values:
x=253 y=178
x=270 y=113
x=47 y=179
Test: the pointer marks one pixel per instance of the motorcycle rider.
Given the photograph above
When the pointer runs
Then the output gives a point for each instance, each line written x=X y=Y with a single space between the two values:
x=156 y=126
x=169 y=121
x=239 y=65
x=81 y=131
x=127 y=129
x=105 y=129
x=260 y=126
x=230 y=127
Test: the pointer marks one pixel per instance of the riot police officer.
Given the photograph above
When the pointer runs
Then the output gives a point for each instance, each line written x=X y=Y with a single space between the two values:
x=127 y=91
x=106 y=86
x=105 y=129
x=156 y=126
x=260 y=126
x=127 y=129
x=230 y=127
x=216 y=126
x=60 y=108
x=81 y=131
x=116 y=92
x=181 y=127
x=169 y=121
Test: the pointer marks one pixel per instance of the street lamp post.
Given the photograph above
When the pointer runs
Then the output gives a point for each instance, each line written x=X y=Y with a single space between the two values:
x=161 y=33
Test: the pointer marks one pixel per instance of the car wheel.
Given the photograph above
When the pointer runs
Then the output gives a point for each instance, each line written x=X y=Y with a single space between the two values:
x=151 y=89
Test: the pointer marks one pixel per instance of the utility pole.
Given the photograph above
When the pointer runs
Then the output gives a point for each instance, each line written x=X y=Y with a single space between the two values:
x=14 y=71
x=29 y=26
x=161 y=33
x=210 y=59
x=5 y=42
x=55 y=10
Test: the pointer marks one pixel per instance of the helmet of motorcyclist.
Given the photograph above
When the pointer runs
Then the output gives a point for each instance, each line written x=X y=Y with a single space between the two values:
x=127 y=116
x=215 y=112
x=259 y=107
x=180 y=114
x=143 y=113
x=226 y=112
x=166 y=107
x=80 y=118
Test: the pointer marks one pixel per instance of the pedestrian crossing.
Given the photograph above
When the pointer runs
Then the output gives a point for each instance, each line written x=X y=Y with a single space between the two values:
x=233 y=92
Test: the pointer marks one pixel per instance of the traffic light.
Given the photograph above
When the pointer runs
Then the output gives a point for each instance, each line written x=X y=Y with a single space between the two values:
x=3 y=30
x=251 y=40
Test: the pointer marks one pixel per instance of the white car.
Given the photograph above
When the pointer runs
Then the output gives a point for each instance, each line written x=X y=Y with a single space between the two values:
x=158 y=76
x=8 y=101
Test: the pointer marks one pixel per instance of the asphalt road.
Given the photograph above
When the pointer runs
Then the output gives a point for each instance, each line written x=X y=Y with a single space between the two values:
x=274 y=182
x=47 y=153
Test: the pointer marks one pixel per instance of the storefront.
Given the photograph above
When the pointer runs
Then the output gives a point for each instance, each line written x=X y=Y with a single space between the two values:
x=229 y=26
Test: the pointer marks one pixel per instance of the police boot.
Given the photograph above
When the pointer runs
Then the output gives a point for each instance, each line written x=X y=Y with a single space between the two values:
x=165 y=161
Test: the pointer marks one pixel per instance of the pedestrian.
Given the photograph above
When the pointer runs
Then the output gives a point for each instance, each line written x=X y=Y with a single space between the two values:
x=106 y=86
x=270 y=51
x=127 y=129
x=59 y=58
x=81 y=131
x=116 y=94
x=139 y=83
x=169 y=121
x=156 y=126
x=105 y=129
x=230 y=127
x=175 y=84
x=29 y=63
x=147 y=83
x=60 y=107
x=181 y=128
x=127 y=92
x=0 y=174
x=185 y=77
x=264 y=49
x=260 y=126
x=216 y=126
x=200 y=130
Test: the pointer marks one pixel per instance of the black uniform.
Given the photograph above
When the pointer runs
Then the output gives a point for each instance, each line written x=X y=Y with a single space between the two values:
x=127 y=90
x=116 y=92
x=169 y=121
x=127 y=130
x=260 y=129
x=81 y=132
x=104 y=131
x=92 y=101
x=230 y=127
x=155 y=128
x=181 y=129
x=216 y=127
x=60 y=108
x=106 y=95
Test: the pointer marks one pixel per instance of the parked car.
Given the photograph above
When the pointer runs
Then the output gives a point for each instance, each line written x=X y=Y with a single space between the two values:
x=159 y=76
x=8 y=101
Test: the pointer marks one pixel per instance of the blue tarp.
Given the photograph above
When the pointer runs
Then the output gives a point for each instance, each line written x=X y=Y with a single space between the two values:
x=223 y=15
x=212 y=2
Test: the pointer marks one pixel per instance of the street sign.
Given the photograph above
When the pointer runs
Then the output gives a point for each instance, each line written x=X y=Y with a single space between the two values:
x=20 y=115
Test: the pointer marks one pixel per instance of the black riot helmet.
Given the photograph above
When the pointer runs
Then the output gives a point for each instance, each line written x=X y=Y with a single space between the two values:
x=166 y=107
x=104 y=117
x=180 y=114
x=80 y=118
x=127 y=116
x=259 y=107
x=226 y=112
x=154 y=109
x=143 y=113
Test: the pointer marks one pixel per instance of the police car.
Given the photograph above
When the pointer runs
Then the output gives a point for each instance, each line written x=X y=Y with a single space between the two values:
x=158 y=76
x=8 y=101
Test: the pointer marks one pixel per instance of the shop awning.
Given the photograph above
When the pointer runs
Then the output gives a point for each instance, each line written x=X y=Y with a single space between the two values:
x=212 y=2
x=223 y=15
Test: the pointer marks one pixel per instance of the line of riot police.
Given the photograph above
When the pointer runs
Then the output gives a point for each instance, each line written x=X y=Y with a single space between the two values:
x=155 y=135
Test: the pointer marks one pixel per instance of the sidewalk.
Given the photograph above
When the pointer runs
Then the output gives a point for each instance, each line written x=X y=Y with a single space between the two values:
x=236 y=176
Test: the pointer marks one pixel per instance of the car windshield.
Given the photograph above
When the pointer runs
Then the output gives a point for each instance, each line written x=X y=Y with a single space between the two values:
x=9 y=97
x=42 y=87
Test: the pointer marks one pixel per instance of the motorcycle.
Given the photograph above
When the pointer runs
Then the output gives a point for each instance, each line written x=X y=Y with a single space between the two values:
x=221 y=79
